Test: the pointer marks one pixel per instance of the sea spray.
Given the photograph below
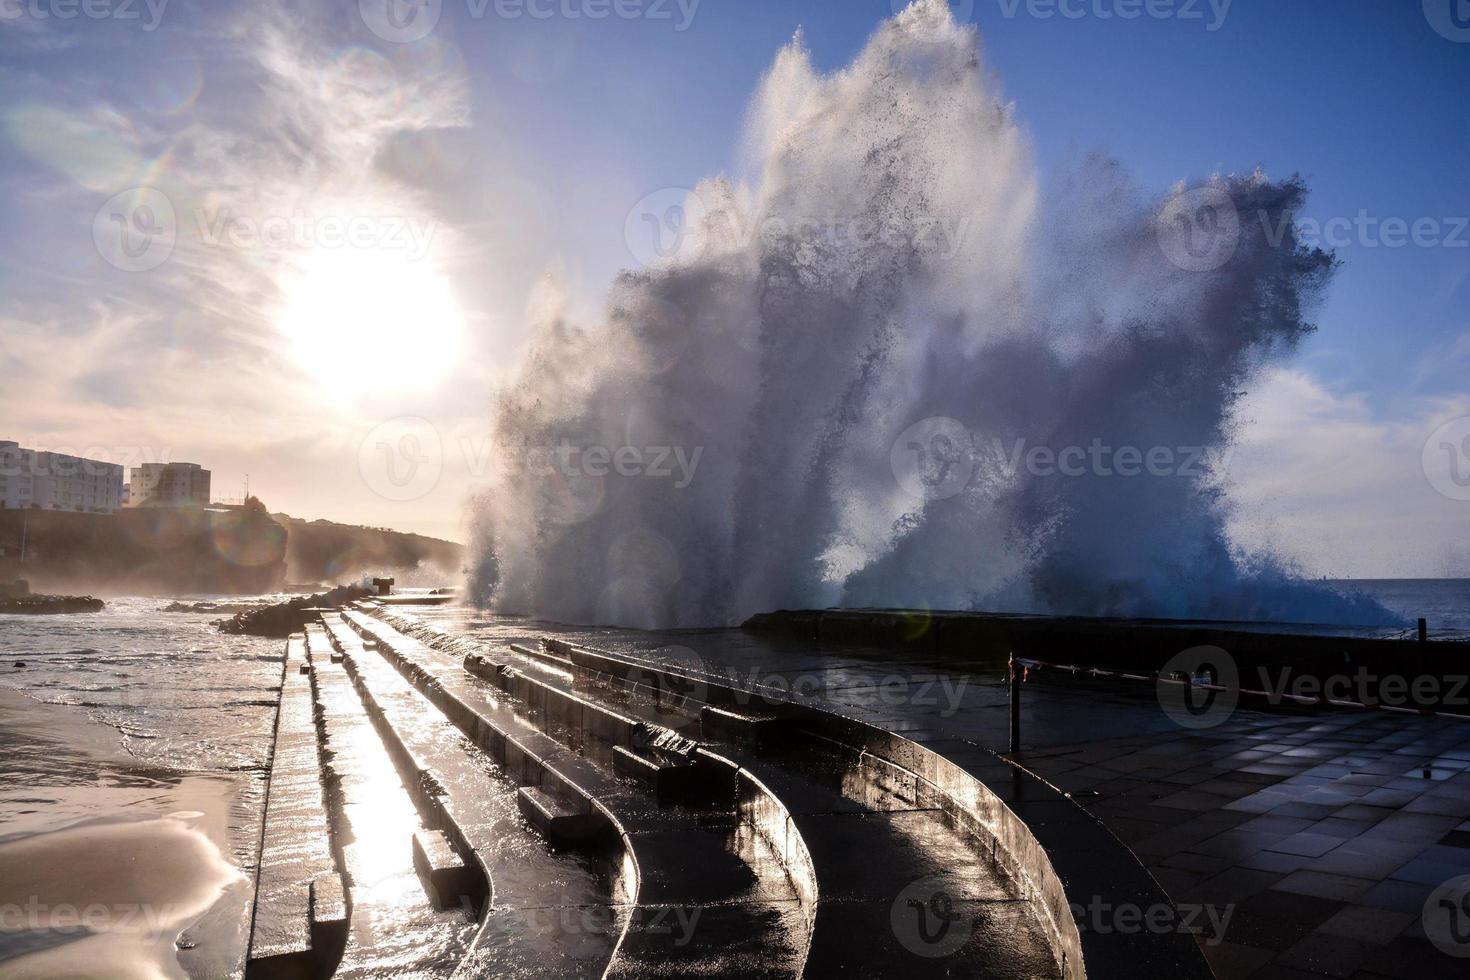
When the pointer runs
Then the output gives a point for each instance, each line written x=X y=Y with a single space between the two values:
x=889 y=290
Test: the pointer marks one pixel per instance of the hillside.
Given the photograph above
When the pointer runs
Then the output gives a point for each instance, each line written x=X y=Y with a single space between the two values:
x=241 y=550
x=323 y=551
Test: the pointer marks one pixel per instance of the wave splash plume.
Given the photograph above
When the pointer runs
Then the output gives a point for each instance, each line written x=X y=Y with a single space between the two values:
x=891 y=260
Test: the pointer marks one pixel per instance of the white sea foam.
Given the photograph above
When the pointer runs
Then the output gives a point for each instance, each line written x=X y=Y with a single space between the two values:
x=892 y=260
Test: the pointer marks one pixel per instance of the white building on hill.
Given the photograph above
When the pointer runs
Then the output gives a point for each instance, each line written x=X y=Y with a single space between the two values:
x=56 y=481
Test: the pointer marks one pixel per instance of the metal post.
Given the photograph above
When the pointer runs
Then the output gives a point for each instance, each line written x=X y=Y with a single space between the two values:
x=1015 y=706
x=1423 y=630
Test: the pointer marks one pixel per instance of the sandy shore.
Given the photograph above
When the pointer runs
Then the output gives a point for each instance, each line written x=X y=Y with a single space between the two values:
x=105 y=865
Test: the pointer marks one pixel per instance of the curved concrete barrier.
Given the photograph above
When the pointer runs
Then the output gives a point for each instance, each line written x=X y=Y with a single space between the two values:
x=1062 y=856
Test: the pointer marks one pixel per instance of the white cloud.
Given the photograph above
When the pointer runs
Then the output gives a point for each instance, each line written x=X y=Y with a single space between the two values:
x=1319 y=477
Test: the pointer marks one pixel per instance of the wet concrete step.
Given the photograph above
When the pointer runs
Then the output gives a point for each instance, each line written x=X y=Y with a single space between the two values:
x=292 y=933
x=702 y=865
x=547 y=914
x=532 y=658
x=922 y=890
x=820 y=804
x=395 y=928
x=451 y=878
x=558 y=821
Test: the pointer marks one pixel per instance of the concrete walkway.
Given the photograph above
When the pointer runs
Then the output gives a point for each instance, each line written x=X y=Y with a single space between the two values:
x=1307 y=843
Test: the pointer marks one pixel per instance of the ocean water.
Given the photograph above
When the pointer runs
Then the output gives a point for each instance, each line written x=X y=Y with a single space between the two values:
x=134 y=748
x=1444 y=602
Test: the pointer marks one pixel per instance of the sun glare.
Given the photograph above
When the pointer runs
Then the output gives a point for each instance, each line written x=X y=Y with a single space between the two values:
x=371 y=318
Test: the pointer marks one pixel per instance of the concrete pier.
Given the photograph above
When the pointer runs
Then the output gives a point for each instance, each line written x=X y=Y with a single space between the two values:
x=568 y=810
x=299 y=924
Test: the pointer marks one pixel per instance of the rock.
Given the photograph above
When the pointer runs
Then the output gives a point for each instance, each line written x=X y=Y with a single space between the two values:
x=224 y=608
x=285 y=618
x=51 y=605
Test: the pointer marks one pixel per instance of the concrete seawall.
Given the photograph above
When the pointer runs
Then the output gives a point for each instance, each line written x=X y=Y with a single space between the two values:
x=1136 y=644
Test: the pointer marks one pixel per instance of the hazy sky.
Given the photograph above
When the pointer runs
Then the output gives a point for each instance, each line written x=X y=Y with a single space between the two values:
x=252 y=235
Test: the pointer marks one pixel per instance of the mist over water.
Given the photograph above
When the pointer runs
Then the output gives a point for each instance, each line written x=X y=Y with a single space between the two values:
x=855 y=340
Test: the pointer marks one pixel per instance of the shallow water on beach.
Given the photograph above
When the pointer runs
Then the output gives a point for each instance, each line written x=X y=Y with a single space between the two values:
x=133 y=754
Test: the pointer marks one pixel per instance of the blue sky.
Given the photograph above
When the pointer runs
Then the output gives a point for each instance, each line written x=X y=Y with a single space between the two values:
x=522 y=142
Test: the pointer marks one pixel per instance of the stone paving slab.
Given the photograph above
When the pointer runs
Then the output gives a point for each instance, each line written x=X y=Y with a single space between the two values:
x=1321 y=835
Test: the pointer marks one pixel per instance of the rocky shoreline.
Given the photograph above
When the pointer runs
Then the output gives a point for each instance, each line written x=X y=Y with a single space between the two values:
x=50 y=605
x=284 y=618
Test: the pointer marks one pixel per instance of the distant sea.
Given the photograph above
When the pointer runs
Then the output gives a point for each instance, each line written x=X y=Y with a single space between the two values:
x=1444 y=602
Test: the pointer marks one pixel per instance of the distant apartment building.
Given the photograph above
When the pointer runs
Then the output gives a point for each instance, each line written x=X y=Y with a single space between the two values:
x=56 y=481
x=168 y=485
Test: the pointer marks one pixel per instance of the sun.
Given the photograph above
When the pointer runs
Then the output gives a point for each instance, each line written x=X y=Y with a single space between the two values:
x=371 y=319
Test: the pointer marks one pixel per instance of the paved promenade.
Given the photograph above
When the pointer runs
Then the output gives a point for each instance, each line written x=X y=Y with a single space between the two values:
x=1309 y=842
